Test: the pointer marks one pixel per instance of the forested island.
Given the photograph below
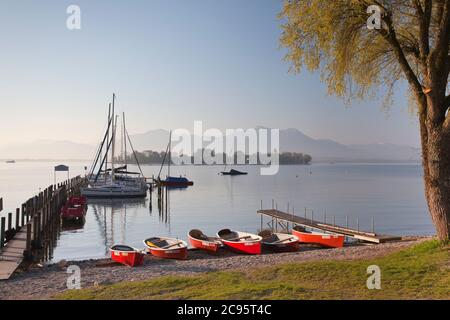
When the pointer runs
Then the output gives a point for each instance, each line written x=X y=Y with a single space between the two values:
x=155 y=157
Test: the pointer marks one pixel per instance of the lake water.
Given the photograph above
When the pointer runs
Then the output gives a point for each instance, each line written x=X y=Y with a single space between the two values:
x=392 y=193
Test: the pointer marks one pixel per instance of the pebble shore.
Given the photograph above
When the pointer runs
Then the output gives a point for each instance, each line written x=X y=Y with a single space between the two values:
x=43 y=282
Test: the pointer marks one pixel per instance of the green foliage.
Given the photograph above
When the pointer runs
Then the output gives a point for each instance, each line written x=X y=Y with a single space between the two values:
x=420 y=272
x=333 y=37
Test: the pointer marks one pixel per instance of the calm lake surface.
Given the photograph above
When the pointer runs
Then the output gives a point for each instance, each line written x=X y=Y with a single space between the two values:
x=392 y=193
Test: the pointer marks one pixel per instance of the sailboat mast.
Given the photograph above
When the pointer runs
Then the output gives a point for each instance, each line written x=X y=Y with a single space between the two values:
x=113 y=139
x=170 y=153
x=107 y=139
x=125 y=140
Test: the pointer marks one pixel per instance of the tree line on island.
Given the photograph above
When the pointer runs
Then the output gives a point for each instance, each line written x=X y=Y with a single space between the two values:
x=155 y=157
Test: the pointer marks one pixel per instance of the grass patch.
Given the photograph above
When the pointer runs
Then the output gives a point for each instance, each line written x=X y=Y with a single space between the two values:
x=419 y=272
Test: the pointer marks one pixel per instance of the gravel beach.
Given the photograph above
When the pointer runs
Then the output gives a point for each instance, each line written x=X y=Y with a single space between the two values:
x=42 y=282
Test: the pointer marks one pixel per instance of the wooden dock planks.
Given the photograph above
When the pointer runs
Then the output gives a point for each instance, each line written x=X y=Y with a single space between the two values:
x=360 y=235
x=11 y=256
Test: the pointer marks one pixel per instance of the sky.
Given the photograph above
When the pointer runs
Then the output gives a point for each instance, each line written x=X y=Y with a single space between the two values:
x=170 y=62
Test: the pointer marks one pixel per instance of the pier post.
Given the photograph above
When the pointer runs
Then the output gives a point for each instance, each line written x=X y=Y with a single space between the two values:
x=17 y=219
x=2 y=232
x=373 y=224
x=9 y=221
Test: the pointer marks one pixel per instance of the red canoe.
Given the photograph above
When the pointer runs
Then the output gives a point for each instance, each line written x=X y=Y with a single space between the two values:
x=240 y=242
x=167 y=248
x=279 y=242
x=69 y=212
x=77 y=201
x=200 y=241
x=127 y=255
x=323 y=239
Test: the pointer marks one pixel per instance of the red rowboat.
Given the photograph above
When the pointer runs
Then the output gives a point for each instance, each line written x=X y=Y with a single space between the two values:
x=279 y=242
x=69 y=212
x=200 y=241
x=127 y=255
x=167 y=248
x=323 y=239
x=240 y=242
x=77 y=201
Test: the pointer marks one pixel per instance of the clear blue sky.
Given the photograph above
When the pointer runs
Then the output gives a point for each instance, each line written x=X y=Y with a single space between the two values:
x=170 y=62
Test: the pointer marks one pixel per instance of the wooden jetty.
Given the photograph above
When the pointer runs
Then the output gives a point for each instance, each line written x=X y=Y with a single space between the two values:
x=282 y=219
x=34 y=226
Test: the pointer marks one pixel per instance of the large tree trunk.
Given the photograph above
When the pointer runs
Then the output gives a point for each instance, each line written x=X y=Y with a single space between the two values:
x=436 y=163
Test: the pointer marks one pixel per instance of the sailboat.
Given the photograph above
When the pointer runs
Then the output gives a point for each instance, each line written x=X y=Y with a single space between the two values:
x=114 y=182
x=174 y=182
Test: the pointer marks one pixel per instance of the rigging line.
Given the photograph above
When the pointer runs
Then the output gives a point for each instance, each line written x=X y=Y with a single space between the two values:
x=164 y=160
x=134 y=153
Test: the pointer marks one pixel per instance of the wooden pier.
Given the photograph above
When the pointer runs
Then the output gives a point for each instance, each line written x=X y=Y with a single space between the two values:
x=31 y=234
x=282 y=219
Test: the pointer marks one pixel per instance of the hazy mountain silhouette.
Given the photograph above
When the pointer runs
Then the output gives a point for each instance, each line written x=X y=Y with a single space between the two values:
x=292 y=140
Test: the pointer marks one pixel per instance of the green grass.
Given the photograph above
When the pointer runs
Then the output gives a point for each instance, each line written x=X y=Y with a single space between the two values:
x=419 y=272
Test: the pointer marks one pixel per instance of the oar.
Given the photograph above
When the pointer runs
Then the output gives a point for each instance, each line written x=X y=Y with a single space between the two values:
x=241 y=238
x=172 y=245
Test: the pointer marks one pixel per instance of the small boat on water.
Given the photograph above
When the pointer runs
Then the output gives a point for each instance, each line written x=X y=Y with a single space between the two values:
x=240 y=242
x=170 y=181
x=70 y=212
x=10 y=161
x=167 y=248
x=233 y=172
x=77 y=201
x=279 y=242
x=127 y=255
x=323 y=239
x=199 y=240
x=176 y=182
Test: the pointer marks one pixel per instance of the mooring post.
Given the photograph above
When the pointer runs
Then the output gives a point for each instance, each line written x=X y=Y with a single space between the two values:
x=346 y=221
x=17 y=219
x=334 y=221
x=373 y=224
x=312 y=217
x=2 y=232
x=261 y=222
x=28 y=244
x=305 y=212
x=357 y=223
x=9 y=221
x=273 y=204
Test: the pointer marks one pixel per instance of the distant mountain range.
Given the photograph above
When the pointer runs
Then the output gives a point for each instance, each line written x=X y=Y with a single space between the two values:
x=292 y=140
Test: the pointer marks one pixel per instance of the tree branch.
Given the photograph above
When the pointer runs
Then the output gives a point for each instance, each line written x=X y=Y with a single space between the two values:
x=391 y=36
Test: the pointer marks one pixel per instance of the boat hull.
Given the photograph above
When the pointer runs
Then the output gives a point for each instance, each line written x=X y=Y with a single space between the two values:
x=132 y=258
x=176 y=184
x=322 y=239
x=205 y=245
x=77 y=201
x=112 y=194
x=71 y=213
x=179 y=252
x=251 y=246
x=290 y=245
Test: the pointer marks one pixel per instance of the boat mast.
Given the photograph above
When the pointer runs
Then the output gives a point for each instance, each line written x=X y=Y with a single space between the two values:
x=113 y=139
x=107 y=139
x=170 y=153
x=125 y=141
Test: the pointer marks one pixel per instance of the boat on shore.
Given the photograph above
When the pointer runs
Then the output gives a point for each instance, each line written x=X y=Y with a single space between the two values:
x=127 y=255
x=279 y=242
x=323 y=239
x=199 y=240
x=167 y=248
x=240 y=242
